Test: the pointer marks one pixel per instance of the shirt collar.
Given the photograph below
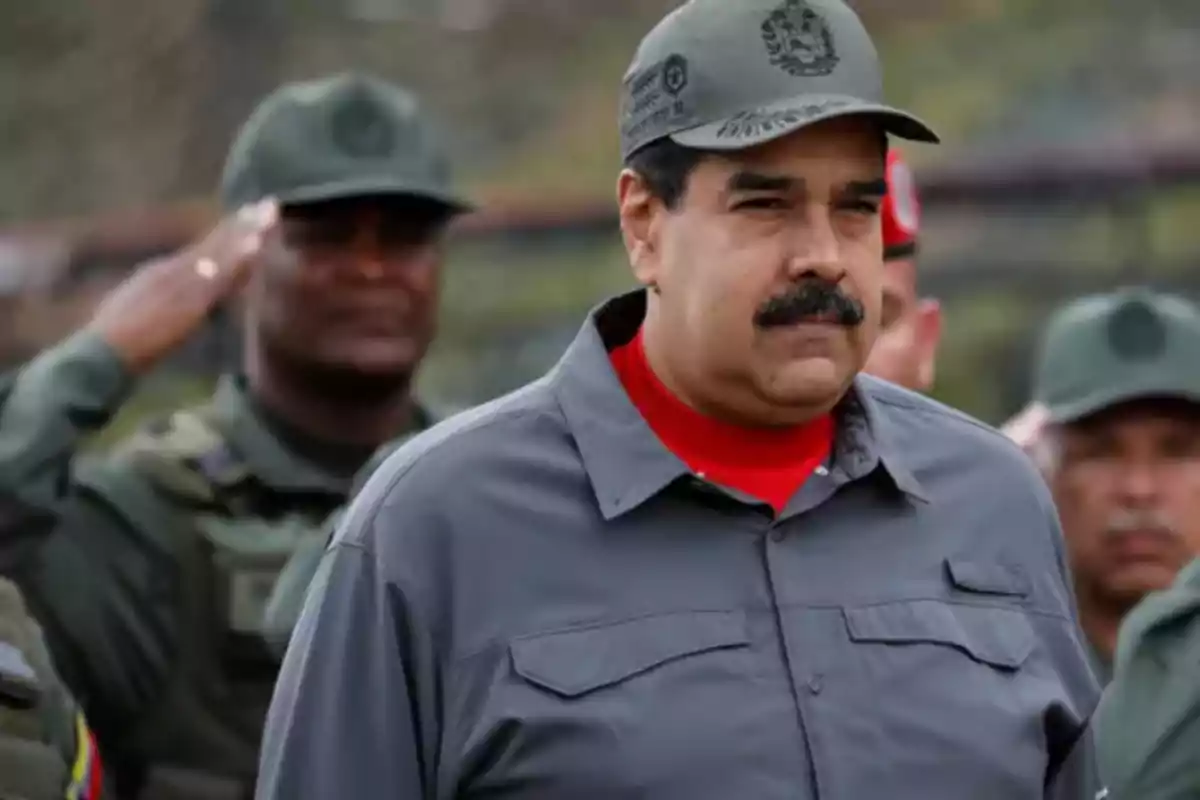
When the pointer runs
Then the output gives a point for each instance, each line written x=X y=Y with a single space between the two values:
x=866 y=441
x=264 y=455
x=268 y=458
x=627 y=464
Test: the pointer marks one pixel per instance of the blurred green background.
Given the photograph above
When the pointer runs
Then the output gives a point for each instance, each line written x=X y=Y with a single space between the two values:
x=118 y=104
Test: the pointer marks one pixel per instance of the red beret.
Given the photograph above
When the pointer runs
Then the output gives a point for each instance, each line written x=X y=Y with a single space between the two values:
x=901 y=209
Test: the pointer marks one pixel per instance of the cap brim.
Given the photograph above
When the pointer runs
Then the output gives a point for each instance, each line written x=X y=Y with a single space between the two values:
x=362 y=187
x=762 y=125
x=1100 y=401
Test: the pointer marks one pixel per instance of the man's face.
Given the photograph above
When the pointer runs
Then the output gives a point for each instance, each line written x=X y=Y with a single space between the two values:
x=351 y=286
x=909 y=330
x=768 y=272
x=1127 y=489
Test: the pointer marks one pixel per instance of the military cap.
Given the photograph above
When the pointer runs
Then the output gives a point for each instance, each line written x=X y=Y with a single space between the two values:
x=1112 y=348
x=724 y=75
x=344 y=136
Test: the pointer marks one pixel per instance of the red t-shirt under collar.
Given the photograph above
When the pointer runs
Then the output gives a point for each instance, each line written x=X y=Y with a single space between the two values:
x=770 y=465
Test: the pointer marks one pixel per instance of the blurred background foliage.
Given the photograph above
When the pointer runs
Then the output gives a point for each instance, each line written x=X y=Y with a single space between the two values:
x=110 y=105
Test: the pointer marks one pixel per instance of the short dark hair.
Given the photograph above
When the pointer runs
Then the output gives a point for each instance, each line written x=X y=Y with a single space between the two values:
x=665 y=166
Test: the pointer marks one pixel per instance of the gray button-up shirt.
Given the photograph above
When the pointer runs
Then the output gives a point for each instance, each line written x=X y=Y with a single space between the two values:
x=536 y=599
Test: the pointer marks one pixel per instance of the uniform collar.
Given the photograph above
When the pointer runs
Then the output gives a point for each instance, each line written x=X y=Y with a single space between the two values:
x=627 y=464
x=268 y=458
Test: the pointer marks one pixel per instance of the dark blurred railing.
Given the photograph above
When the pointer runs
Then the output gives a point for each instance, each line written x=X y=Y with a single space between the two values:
x=1121 y=184
x=1120 y=179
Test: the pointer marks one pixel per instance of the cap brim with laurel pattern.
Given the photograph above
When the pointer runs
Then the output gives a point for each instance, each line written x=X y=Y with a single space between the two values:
x=719 y=75
x=341 y=137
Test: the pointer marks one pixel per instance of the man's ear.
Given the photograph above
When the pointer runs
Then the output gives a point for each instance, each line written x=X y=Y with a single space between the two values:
x=929 y=335
x=640 y=212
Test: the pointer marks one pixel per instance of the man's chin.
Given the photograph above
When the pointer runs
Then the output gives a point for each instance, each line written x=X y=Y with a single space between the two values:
x=1130 y=582
x=380 y=356
x=361 y=377
x=816 y=380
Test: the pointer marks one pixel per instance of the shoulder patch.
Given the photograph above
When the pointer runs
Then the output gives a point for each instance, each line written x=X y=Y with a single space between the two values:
x=87 y=775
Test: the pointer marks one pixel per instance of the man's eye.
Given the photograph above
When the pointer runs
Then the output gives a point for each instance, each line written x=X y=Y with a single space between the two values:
x=318 y=235
x=869 y=207
x=761 y=203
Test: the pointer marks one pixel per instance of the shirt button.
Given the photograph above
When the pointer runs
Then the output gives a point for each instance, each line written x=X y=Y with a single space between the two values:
x=822 y=471
x=815 y=685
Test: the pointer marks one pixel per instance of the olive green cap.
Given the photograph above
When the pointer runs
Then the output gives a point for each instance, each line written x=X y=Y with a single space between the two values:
x=731 y=74
x=1103 y=350
x=349 y=135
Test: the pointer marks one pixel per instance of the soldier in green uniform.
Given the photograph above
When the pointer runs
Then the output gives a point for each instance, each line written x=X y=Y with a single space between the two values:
x=47 y=751
x=1147 y=728
x=1115 y=426
x=152 y=590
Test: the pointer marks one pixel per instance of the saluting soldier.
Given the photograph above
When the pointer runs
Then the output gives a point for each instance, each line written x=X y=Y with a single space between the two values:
x=152 y=591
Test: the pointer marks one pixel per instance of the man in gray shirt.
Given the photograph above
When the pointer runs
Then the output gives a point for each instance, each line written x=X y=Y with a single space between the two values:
x=703 y=557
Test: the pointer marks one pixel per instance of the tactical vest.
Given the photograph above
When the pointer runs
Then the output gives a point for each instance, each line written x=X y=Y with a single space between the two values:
x=30 y=767
x=202 y=737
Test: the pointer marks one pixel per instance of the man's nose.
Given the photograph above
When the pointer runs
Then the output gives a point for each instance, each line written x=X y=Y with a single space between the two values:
x=1138 y=483
x=815 y=250
x=369 y=253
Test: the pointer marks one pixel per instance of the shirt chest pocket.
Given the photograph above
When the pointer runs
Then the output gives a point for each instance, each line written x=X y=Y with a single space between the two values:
x=980 y=620
x=574 y=663
x=996 y=637
x=953 y=679
x=632 y=706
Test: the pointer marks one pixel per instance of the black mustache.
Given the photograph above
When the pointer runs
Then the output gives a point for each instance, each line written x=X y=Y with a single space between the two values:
x=813 y=299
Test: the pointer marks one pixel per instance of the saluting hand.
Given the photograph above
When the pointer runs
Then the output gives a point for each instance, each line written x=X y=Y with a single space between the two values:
x=165 y=301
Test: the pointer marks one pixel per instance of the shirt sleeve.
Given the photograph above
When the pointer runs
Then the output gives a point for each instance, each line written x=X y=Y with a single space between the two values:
x=48 y=406
x=102 y=590
x=1148 y=725
x=352 y=712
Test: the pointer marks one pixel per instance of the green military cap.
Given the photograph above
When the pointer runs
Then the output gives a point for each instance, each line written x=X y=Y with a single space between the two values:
x=1147 y=727
x=344 y=136
x=726 y=75
x=1107 y=349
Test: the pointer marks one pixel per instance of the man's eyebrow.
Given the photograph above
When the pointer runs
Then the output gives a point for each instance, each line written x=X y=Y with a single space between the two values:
x=874 y=188
x=746 y=181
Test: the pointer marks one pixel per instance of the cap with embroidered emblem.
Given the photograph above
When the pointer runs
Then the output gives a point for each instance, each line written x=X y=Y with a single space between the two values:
x=721 y=75
x=345 y=136
x=1112 y=348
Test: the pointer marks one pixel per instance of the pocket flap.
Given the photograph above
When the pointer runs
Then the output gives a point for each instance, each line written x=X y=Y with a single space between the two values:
x=574 y=662
x=995 y=636
x=982 y=577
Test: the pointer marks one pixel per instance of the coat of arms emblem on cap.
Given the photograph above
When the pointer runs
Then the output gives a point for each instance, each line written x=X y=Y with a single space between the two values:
x=1135 y=332
x=361 y=129
x=798 y=40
